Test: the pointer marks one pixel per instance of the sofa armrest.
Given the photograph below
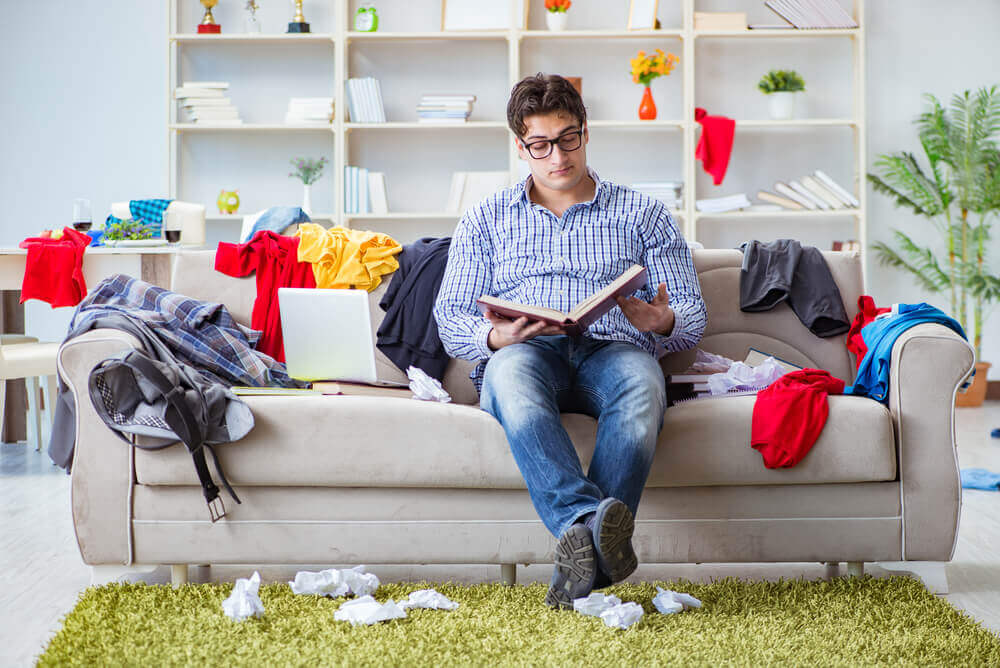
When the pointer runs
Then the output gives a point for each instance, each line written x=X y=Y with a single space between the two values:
x=929 y=362
x=102 y=463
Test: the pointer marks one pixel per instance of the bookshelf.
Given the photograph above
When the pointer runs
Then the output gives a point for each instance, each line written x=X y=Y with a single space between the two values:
x=335 y=52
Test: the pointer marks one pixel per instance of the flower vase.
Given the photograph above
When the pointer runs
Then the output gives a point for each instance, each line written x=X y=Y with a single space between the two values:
x=647 y=108
x=307 y=198
x=555 y=21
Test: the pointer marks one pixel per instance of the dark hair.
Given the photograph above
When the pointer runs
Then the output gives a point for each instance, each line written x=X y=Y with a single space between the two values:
x=542 y=94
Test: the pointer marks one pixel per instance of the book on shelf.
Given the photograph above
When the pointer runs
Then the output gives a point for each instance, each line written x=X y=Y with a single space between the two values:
x=668 y=192
x=814 y=186
x=805 y=14
x=356 y=189
x=349 y=388
x=206 y=102
x=784 y=202
x=784 y=190
x=800 y=189
x=218 y=85
x=377 y=197
x=469 y=188
x=184 y=93
x=720 y=20
x=441 y=109
x=582 y=315
x=364 y=100
x=309 y=110
x=846 y=197
x=723 y=204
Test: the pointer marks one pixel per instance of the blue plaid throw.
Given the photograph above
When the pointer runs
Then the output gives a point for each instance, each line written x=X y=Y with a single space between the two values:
x=202 y=334
x=150 y=211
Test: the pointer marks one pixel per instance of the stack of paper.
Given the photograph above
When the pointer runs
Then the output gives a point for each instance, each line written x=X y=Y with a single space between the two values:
x=364 y=100
x=364 y=191
x=723 y=204
x=206 y=102
x=444 y=109
x=813 y=192
x=812 y=13
x=317 y=110
x=668 y=192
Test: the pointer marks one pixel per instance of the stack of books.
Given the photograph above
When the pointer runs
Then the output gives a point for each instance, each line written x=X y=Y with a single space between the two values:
x=812 y=13
x=364 y=191
x=364 y=100
x=206 y=102
x=668 y=192
x=317 y=110
x=813 y=192
x=445 y=109
x=723 y=204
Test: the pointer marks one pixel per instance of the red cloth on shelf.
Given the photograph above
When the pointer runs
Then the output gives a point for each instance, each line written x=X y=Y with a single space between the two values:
x=789 y=415
x=716 y=143
x=866 y=313
x=53 y=271
x=274 y=258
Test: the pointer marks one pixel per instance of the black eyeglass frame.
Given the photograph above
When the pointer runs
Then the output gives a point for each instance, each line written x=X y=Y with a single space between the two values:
x=553 y=142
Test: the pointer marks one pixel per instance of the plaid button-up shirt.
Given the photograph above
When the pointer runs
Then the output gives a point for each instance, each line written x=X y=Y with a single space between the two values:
x=509 y=247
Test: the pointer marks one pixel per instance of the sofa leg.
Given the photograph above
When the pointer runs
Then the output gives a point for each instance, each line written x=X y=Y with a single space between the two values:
x=508 y=574
x=855 y=569
x=178 y=575
x=203 y=573
x=832 y=570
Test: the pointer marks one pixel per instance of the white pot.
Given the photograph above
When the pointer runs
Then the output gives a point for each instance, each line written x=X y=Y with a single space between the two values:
x=307 y=198
x=556 y=21
x=781 y=105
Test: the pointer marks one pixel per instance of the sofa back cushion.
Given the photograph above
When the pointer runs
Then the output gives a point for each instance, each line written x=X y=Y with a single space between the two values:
x=730 y=332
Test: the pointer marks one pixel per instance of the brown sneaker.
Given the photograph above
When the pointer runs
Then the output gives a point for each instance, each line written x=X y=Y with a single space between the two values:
x=574 y=569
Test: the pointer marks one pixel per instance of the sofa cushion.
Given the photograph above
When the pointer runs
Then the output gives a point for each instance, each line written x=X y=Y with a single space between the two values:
x=349 y=441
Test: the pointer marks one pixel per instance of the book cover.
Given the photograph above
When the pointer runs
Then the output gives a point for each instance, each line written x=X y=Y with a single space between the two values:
x=800 y=189
x=783 y=189
x=817 y=188
x=583 y=315
x=363 y=190
x=379 y=106
x=393 y=390
x=376 y=193
x=836 y=188
x=455 y=193
x=778 y=199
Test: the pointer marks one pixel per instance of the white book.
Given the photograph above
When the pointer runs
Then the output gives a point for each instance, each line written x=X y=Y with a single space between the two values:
x=800 y=189
x=363 y=190
x=354 y=94
x=379 y=106
x=479 y=185
x=364 y=105
x=220 y=85
x=207 y=102
x=371 y=104
x=783 y=189
x=836 y=189
x=820 y=190
x=455 y=193
x=377 y=197
x=799 y=17
x=183 y=93
x=779 y=8
x=351 y=106
x=813 y=15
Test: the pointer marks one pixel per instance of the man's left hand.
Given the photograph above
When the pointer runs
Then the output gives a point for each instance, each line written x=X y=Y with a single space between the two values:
x=655 y=316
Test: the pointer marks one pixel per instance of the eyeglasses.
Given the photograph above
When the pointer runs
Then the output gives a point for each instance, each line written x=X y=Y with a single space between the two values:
x=542 y=148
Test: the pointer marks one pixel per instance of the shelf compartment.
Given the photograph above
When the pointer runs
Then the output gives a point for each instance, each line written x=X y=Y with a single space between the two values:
x=796 y=122
x=602 y=34
x=402 y=215
x=413 y=125
x=282 y=38
x=669 y=124
x=433 y=34
x=781 y=32
x=250 y=127
x=780 y=214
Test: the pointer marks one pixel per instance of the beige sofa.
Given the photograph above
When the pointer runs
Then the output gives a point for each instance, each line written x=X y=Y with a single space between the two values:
x=344 y=480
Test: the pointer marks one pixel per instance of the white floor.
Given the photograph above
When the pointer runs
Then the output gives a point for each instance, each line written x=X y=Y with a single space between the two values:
x=41 y=573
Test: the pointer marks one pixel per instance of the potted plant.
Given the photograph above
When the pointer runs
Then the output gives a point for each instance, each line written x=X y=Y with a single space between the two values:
x=959 y=193
x=307 y=170
x=644 y=70
x=781 y=86
x=555 y=18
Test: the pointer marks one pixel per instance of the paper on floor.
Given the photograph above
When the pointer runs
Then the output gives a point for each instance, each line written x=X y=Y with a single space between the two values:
x=622 y=615
x=366 y=610
x=334 y=583
x=668 y=602
x=244 y=602
x=428 y=598
x=595 y=604
x=424 y=387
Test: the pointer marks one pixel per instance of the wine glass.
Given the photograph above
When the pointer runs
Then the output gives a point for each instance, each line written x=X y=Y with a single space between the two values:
x=171 y=226
x=82 y=220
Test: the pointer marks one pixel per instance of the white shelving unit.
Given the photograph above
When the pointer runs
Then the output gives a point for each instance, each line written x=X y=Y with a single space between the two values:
x=344 y=135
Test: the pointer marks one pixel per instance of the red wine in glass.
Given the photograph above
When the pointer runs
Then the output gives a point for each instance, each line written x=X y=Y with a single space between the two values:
x=82 y=225
x=173 y=236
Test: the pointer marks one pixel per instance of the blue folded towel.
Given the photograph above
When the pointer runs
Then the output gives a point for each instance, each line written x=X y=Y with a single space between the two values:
x=277 y=219
x=980 y=479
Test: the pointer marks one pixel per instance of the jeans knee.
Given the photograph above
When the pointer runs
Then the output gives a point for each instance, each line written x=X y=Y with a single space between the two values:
x=515 y=382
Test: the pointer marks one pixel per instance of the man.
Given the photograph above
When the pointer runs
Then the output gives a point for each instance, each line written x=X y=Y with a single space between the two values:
x=552 y=240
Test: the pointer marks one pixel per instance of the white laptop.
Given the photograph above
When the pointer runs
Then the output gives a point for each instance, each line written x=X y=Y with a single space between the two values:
x=328 y=335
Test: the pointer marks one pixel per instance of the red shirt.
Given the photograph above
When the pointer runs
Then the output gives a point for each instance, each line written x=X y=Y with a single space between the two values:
x=53 y=271
x=866 y=313
x=274 y=258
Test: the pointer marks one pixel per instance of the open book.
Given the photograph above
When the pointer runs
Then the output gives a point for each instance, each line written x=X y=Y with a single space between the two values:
x=583 y=314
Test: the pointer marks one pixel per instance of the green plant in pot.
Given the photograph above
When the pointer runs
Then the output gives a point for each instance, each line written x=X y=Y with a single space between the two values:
x=959 y=193
x=781 y=86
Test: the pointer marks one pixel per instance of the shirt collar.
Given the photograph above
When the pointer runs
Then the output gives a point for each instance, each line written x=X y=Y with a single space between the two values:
x=601 y=191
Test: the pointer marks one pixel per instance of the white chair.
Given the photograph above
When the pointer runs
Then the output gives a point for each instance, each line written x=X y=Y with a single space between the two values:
x=24 y=357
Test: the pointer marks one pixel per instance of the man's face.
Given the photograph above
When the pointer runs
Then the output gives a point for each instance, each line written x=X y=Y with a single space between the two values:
x=562 y=169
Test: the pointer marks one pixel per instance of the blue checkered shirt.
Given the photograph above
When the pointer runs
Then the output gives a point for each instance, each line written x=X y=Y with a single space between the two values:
x=509 y=247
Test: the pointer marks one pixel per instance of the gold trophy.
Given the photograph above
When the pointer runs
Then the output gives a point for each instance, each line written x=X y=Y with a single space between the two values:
x=208 y=24
x=298 y=23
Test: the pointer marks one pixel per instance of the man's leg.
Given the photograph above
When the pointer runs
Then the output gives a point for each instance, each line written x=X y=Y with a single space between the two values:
x=521 y=389
x=623 y=386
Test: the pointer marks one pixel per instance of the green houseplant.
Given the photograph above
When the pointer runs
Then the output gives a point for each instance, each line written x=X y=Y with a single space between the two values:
x=780 y=86
x=959 y=193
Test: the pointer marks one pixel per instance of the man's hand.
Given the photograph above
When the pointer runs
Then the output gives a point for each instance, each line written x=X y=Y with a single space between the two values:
x=505 y=332
x=656 y=316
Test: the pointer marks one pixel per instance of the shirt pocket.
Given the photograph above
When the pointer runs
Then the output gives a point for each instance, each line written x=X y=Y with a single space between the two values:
x=608 y=247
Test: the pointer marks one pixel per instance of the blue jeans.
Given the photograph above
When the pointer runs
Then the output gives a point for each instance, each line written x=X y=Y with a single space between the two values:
x=527 y=385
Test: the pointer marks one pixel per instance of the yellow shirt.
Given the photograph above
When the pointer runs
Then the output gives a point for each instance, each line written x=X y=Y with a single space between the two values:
x=346 y=258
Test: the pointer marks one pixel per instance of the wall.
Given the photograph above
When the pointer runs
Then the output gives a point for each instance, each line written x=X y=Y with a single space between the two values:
x=85 y=108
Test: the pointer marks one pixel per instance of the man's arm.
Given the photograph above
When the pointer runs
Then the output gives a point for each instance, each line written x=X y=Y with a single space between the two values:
x=468 y=275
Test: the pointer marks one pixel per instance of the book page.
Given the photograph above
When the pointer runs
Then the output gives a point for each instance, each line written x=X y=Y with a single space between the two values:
x=505 y=306
x=580 y=309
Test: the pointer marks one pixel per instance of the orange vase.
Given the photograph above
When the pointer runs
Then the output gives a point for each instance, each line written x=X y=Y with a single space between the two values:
x=647 y=108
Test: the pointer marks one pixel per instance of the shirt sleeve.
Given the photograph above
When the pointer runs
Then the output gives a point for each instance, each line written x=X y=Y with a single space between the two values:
x=467 y=276
x=668 y=260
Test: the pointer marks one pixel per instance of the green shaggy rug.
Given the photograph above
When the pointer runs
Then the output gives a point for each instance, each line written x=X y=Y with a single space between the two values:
x=857 y=621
